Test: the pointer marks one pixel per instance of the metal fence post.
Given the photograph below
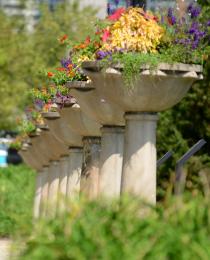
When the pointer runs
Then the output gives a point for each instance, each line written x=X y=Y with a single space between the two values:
x=180 y=181
x=164 y=158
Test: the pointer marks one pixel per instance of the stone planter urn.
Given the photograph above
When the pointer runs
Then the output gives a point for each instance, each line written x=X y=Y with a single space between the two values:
x=54 y=151
x=71 y=165
x=151 y=92
x=93 y=103
x=28 y=157
x=89 y=130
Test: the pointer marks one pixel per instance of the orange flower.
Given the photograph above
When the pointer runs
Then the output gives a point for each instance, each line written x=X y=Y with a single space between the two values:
x=97 y=44
x=63 y=38
x=98 y=32
x=60 y=69
x=44 y=91
x=80 y=46
x=70 y=66
x=71 y=73
x=50 y=74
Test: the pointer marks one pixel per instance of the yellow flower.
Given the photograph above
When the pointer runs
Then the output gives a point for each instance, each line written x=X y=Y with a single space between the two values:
x=136 y=30
x=83 y=58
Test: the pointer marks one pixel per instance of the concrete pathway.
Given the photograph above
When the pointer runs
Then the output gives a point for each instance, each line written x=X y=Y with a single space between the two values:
x=5 y=245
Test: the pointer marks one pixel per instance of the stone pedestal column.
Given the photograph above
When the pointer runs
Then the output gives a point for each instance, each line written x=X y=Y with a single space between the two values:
x=74 y=173
x=63 y=177
x=53 y=188
x=111 y=158
x=38 y=194
x=44 y=195
x=139 y=164
x=90 y=169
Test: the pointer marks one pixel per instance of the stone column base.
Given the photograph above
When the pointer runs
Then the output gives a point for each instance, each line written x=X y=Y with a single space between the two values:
x=139 y=165
x=111 y=158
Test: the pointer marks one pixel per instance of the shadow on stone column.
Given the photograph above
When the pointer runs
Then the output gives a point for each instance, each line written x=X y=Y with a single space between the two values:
x=53 y=189
x=74 y=173
x=90 y=169
x=44 y=194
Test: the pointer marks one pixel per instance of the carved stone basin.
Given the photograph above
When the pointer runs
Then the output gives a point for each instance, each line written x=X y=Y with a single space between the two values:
x=152 y=92
x=79 y=122
x=49 y=145
x=94 y=103
x=61 y=129
x=29 y=158
x=38 y=154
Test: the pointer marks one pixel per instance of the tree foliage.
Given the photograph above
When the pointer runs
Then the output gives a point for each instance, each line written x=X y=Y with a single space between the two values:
x=182 y=126
x=23 y=54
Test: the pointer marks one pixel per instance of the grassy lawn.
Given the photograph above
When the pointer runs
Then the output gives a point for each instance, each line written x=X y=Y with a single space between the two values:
x=16 y=199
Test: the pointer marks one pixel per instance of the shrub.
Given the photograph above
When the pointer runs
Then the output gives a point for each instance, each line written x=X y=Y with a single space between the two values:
x=97 y=230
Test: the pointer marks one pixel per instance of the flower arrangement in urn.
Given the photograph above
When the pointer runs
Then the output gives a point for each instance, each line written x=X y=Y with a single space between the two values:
x=51 y=97
x=134 y=37
x=67 y=72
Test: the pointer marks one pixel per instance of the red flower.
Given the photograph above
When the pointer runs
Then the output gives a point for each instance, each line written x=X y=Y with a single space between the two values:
x=116 y=15
x=106 y=35
x=155 y=18
x=50 y=74
x=63 y=38
x=170 y=21
x=98 y=32
x=87 y=41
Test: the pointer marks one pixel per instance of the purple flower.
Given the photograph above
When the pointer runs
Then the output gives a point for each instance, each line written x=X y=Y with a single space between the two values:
x=171 y=16
x=117 y=2
x=194 y=11
x=38 y=103
x=195 y=44
x=110 y=9
x=103 y=54
x=208 y=23
x=65 y=63
x=194 y=28
x=128 y=3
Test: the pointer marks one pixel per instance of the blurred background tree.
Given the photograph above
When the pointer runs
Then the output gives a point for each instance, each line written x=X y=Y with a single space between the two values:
x=182 y=126
x=24 y=54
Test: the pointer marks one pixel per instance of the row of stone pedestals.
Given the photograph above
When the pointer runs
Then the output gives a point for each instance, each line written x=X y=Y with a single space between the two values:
x=105 y=144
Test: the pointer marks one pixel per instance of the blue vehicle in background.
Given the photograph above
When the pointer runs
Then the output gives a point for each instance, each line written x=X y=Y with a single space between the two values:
x=8 y=155
x=3 y=152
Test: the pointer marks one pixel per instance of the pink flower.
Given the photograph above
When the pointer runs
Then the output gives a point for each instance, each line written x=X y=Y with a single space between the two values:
x=116 y=15
x=105 y=35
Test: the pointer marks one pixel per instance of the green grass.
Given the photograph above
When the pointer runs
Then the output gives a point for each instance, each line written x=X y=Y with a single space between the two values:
x=98 y=230
x=16 y=199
